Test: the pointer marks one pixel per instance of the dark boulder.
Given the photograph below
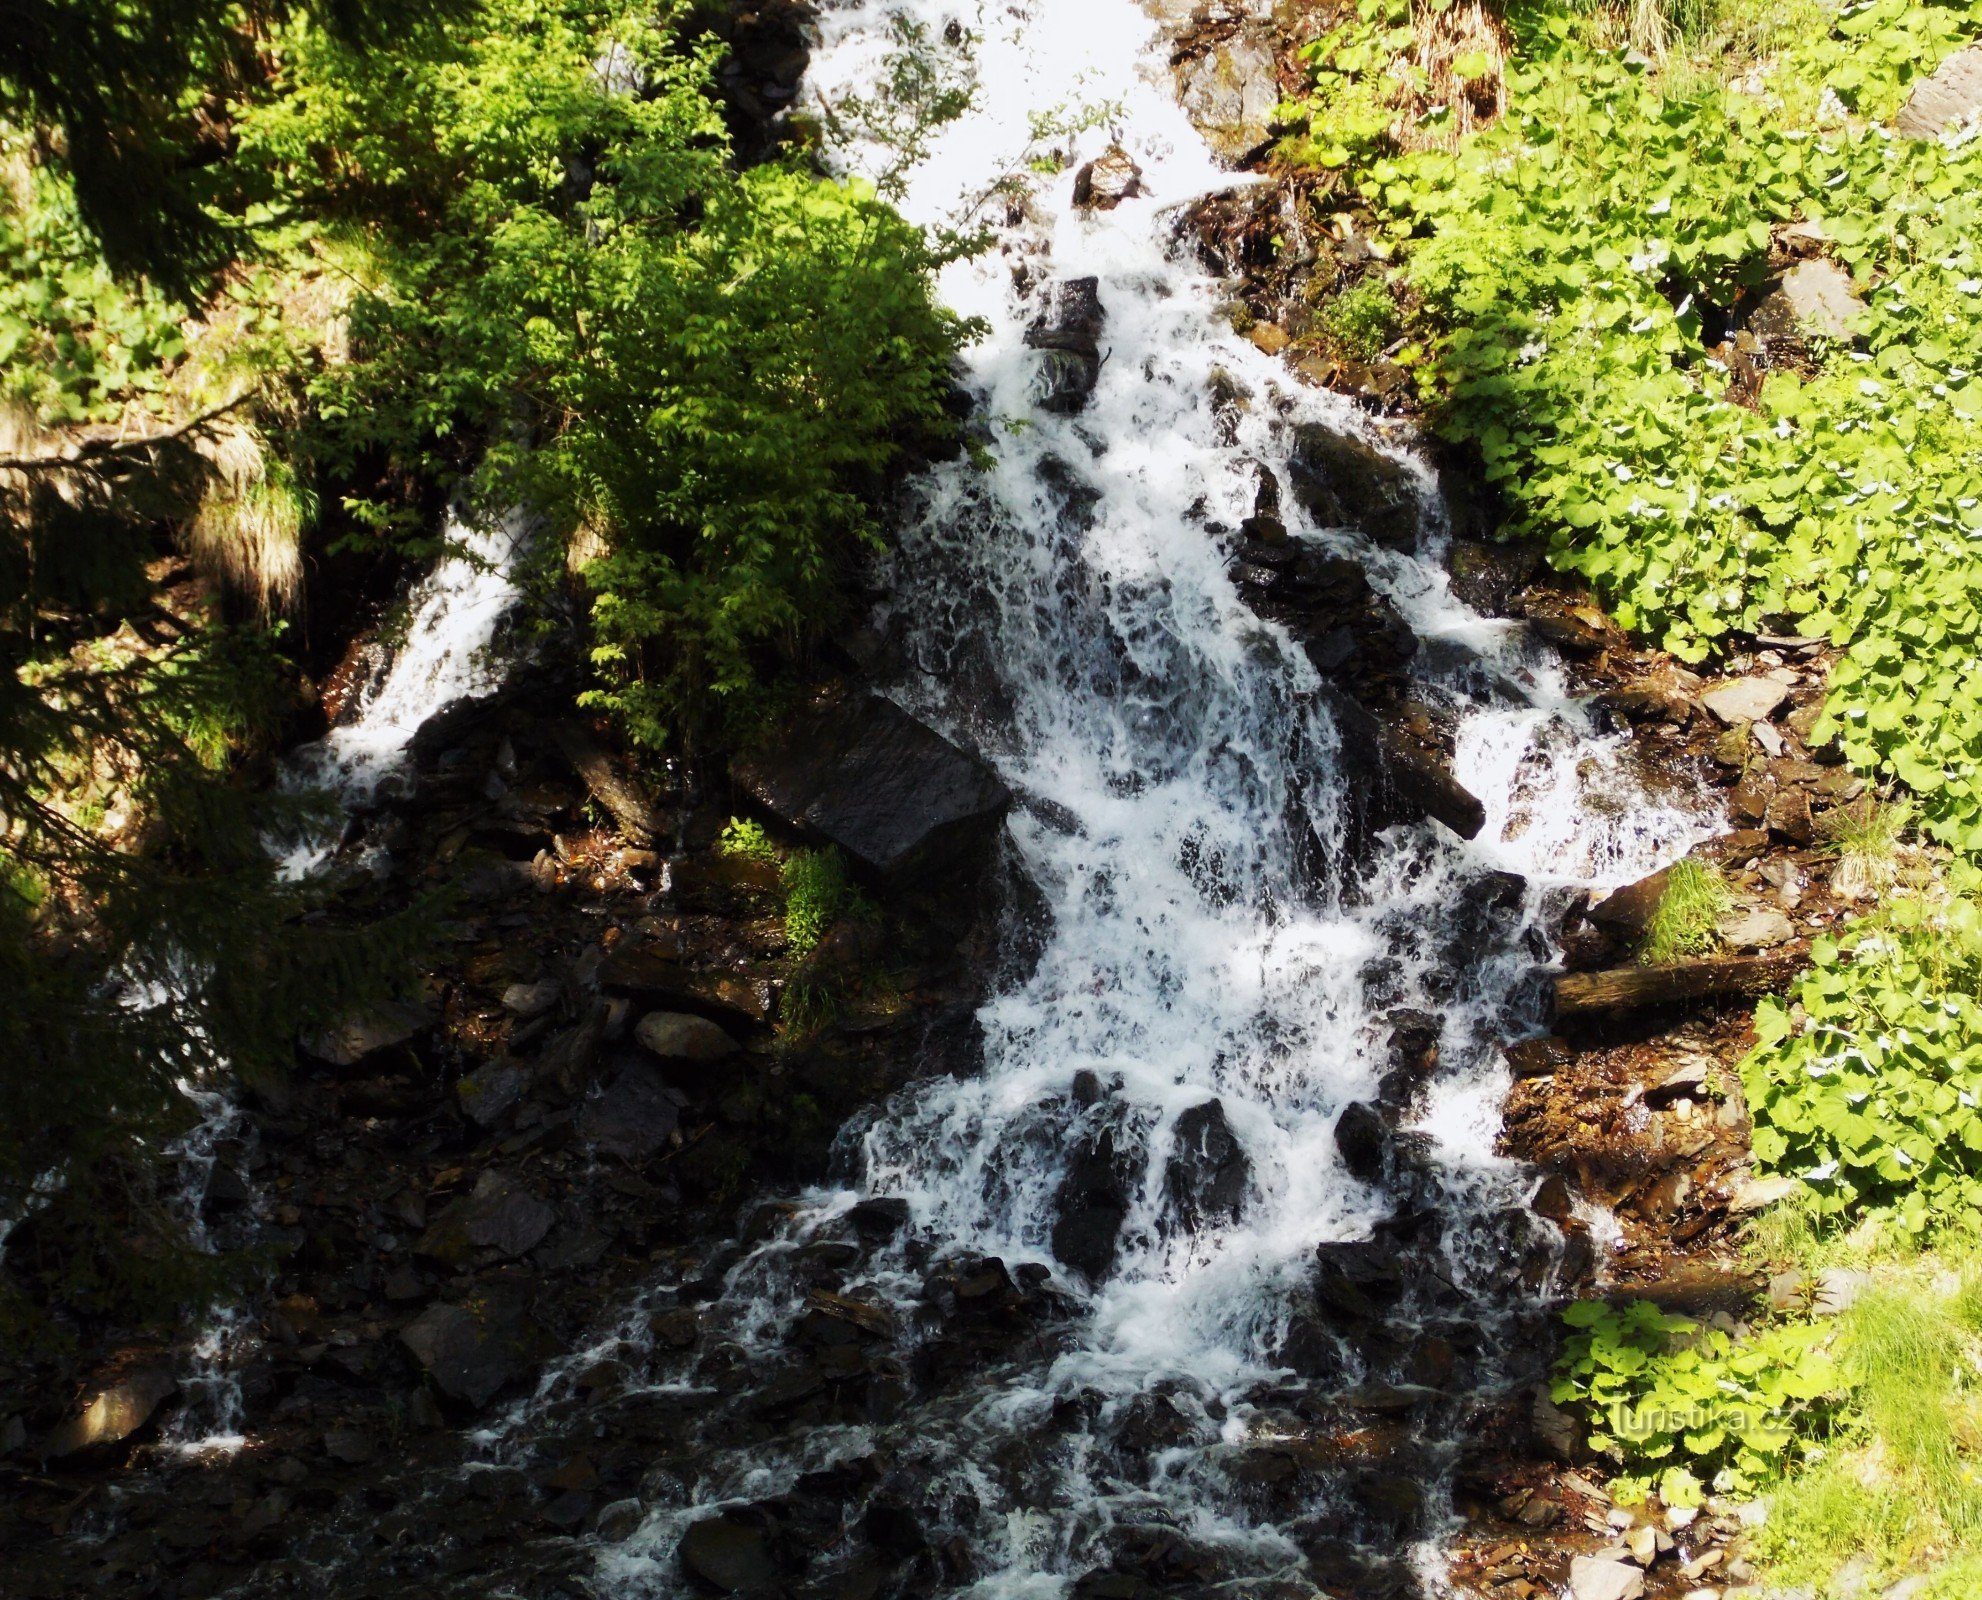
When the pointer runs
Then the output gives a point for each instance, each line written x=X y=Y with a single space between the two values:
x=1091 y=1206
x=116 y=1407
x=878 y=1220
x=1342 y=481
x=1362 y=1136
x=734 y=1552
x=1205 y=1179
x=894 y=794
x=1412 y=1059
x=500 y=1216
x=1357 y=1279
x=472 y=1351
x=634 y=1117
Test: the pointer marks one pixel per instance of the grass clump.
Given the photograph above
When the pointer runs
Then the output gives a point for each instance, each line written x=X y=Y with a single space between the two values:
x=1686 y=921
x=1865 y=838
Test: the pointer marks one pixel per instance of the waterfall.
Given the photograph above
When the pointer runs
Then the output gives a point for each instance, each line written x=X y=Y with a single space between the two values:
x=1203 y=1003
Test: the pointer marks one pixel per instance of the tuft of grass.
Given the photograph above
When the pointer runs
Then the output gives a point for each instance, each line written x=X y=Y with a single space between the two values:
x=1687 y=919
x=1865 y=837
x=818 y=893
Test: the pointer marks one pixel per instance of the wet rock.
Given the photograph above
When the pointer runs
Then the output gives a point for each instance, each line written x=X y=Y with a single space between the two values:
x=499 y=1215
x=369 y=1033
x=1206 y=1177
x=353 y=1446
x=1412 y=1057
x=1744 y=699
x=732 y=1553
x=1537 y=1058
x=1228 y=88
x=1392 y=780
x=894 y=794
x=635 y=1116
x=1628 y=911
x=1108 y=180
x=1952 y=93
x=1090 y=1206
x=115 y=1408
x=1394 y=1502
x=472 y=1351
x=1067 y=335
x=879 y=1220
x=1363 y=1138
x=677 y=1036
x=1342 y=481
x=226 y=1189
x=1686 y=1081
x=1788 y=815
x=1593 y=1578
x=1357 y=1279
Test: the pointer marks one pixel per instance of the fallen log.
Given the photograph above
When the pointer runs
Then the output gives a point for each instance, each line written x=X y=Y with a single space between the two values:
x=1597 y=994
x=608 y=784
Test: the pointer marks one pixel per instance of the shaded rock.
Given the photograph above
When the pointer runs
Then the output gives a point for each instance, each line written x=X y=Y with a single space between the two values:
x=472 y=1351
x=353 y=1446
x=731 y=1553
x=1107 y=180
x=114 y=1410
x=1412 y=1056
x=1342 y=481
x=1686 y=1081
x=1357 y=1279
x=635 y=1116
x=1363 y=1138
x=677 y=1036
x=357 y=1037
x=1952 y=93
x=654 y=972
x=488 y=1094
x=608 y=783
x=894 y=794
x=500 y=1215
x=880 y=1219
x=1206 y=1176
x=1744 y=699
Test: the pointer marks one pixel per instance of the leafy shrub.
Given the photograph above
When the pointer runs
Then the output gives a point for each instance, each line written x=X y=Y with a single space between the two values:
x=1588 y=241
x=1362 y=319
x=1683 y=1407
x=1686 y=920
x=1866 y=1083
x=747 y=839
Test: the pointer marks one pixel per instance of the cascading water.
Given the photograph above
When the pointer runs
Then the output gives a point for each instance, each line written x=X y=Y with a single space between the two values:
x=1151 y=1150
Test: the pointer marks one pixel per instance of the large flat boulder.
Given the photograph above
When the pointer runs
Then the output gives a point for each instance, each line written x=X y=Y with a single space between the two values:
x=1952 y=93
x=896 y=796
x=115 y=1408
x=471 y=1351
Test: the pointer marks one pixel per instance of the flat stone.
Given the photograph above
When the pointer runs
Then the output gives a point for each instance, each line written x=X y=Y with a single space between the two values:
x=500 y=1215
x=1952 y=93
x=1758 y=928
x=368 y=1033
x=489 y=1093
x=1814 y=297
x=1687 y=1081
x=1591 y=1578
x=1744 y=699
x=677 y=1036
x=634 y=1117
x=1758 y=1194
x=652 y=971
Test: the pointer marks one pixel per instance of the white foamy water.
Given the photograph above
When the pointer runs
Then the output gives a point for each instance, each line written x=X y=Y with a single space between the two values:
x=1067 y=611
x=447 y=654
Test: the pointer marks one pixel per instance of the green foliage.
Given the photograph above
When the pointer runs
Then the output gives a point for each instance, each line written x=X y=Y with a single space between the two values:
x=1683 y=1407
x=817 y=894
x=747 y=840
x=1866 y=1083
x=1686 y=921
x=1573 y=249
x=1362 y=319
x=719 y=366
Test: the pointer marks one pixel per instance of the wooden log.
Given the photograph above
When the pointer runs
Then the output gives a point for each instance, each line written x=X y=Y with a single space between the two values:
x=1597 y=994
x=608 y=784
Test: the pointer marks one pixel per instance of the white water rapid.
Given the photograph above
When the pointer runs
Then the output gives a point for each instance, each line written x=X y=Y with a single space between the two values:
x=1067 y=610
